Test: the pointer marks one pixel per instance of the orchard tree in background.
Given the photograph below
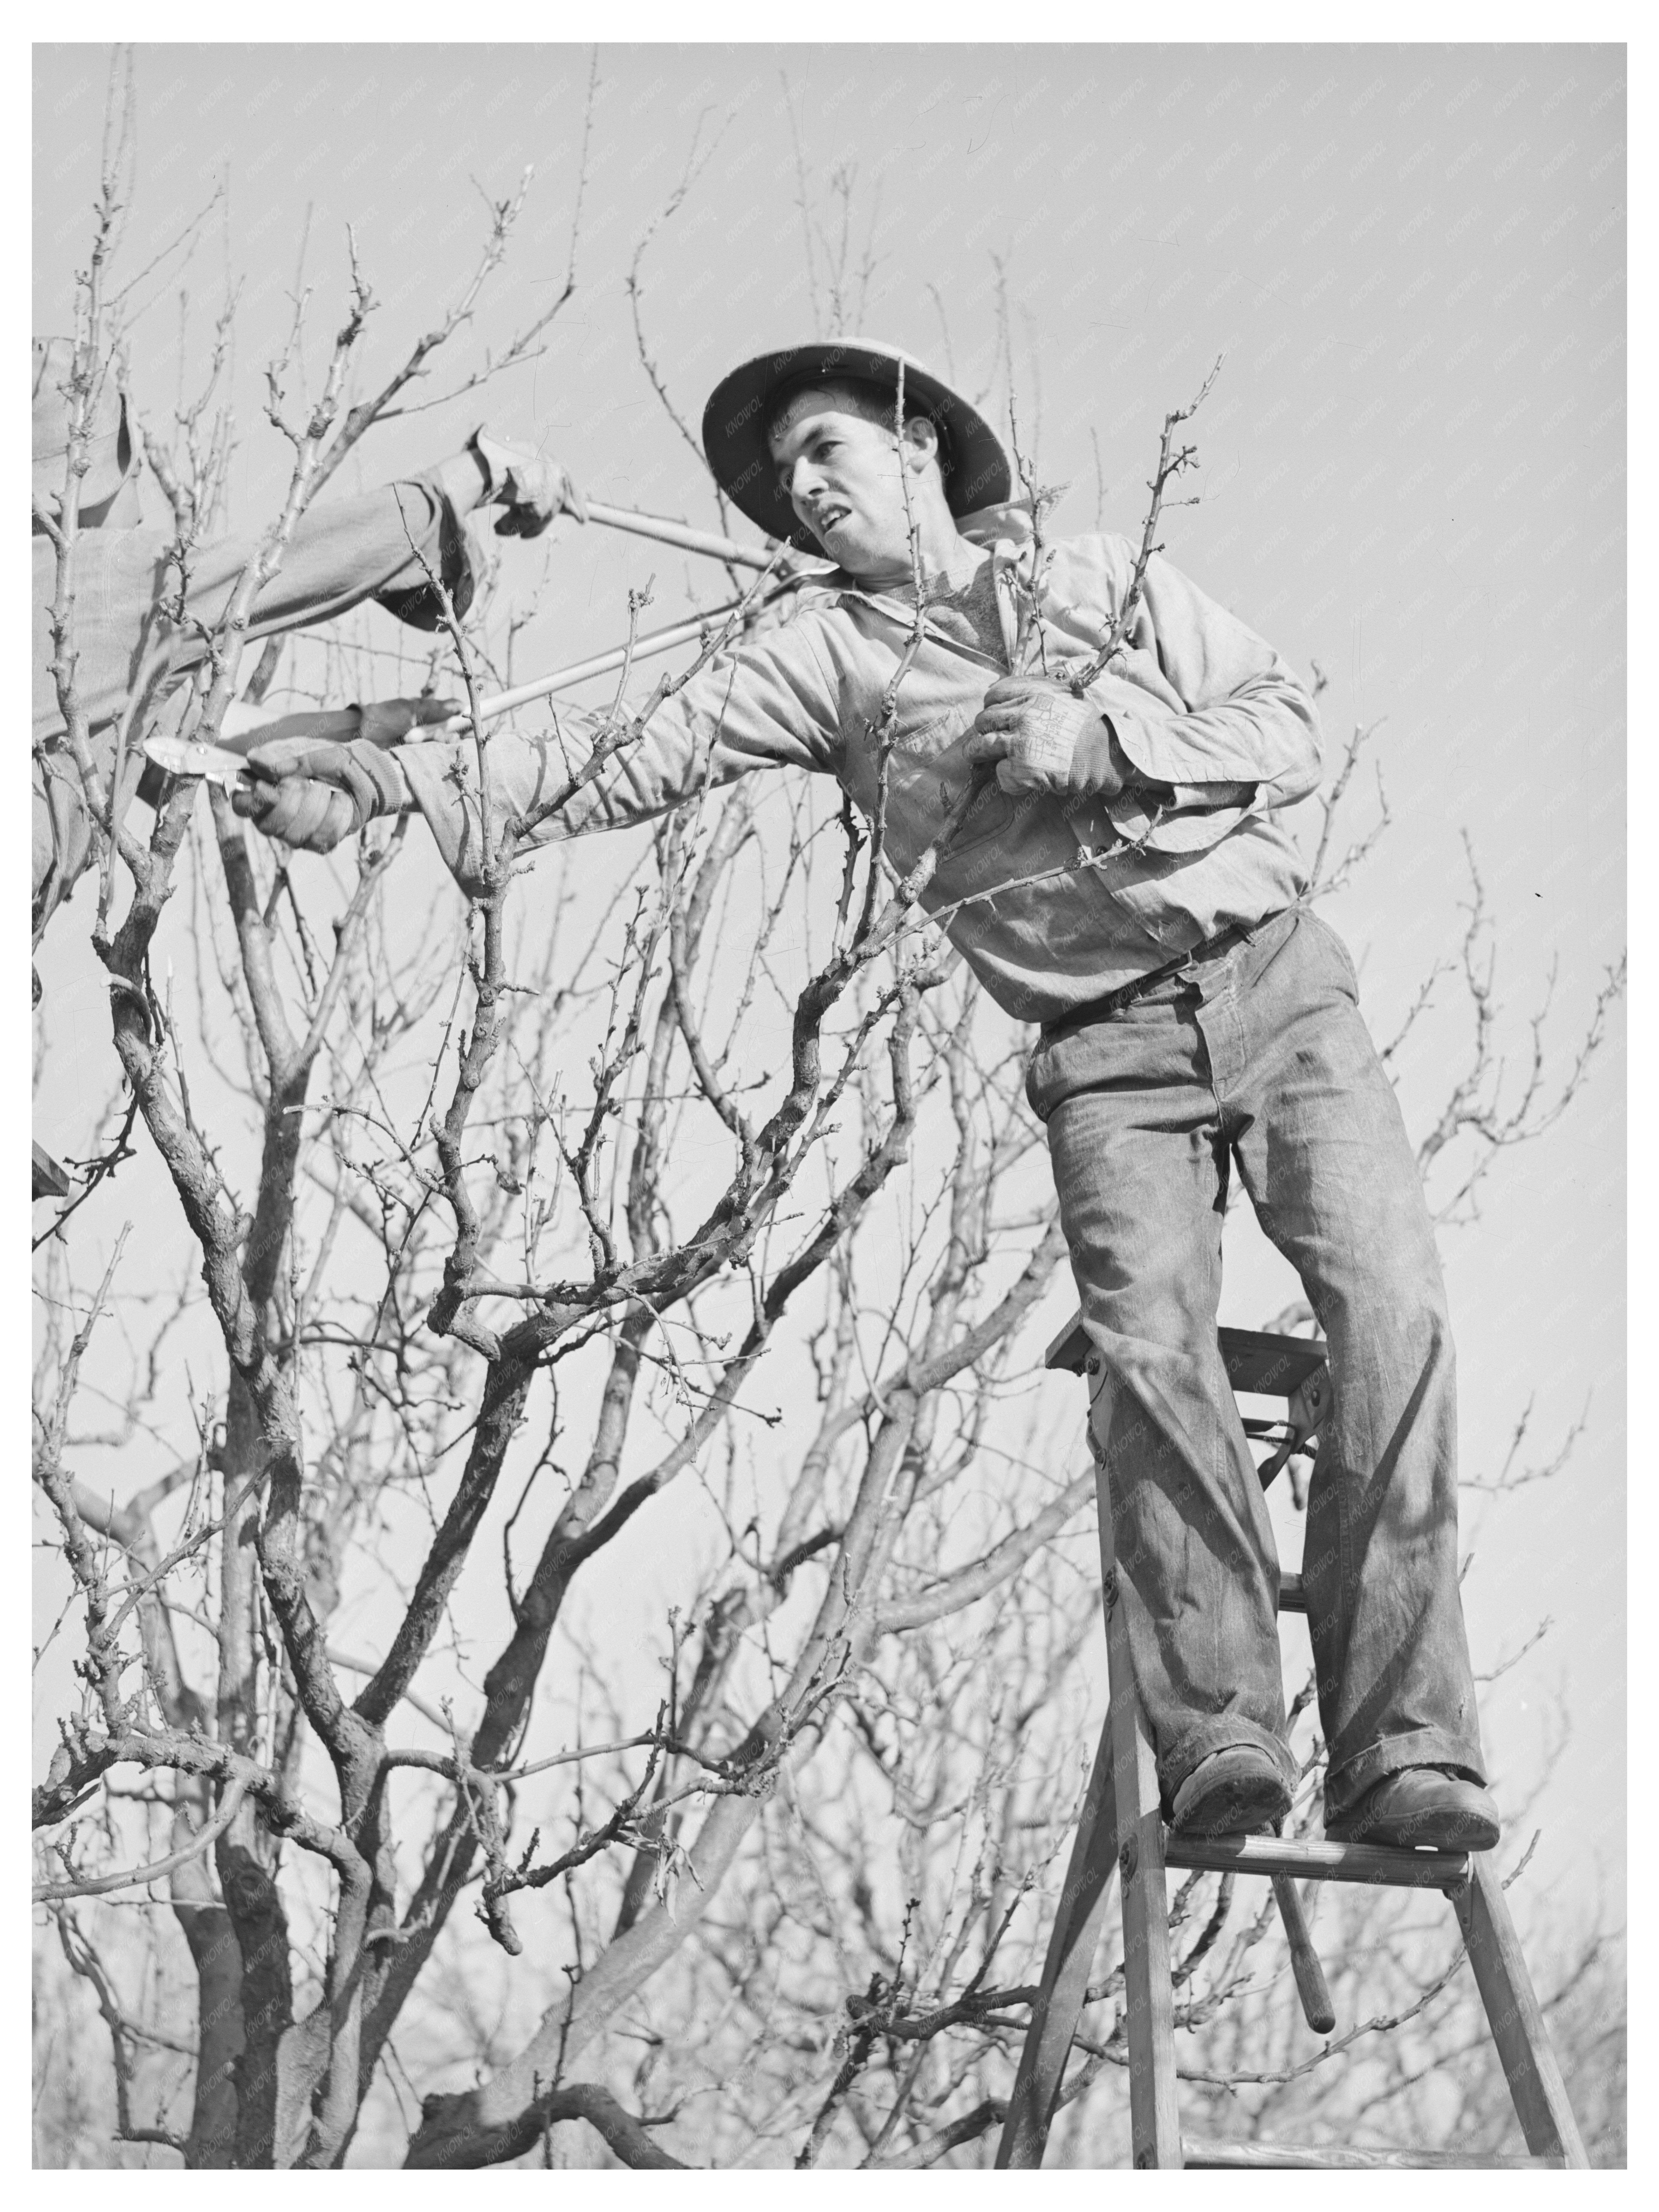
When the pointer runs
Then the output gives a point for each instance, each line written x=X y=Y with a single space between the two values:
x=695 y=1164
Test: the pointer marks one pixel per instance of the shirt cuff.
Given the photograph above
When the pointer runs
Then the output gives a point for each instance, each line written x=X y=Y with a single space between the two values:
x=412 y=599
x=1140 y=821
x=1154 y=745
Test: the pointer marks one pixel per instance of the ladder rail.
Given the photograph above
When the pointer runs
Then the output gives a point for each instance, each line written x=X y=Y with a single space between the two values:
x=1516 y=2018
x=1075 y=1941
x=1148 y=1990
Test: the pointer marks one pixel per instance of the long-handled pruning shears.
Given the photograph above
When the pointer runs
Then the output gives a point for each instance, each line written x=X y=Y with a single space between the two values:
x=223 y=763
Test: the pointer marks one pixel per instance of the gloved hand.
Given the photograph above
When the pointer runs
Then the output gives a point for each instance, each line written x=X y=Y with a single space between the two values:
x=532 y=490
x=1041 y=737
x=310 y=796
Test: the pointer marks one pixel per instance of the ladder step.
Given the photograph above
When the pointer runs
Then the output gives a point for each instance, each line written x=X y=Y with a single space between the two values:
x=1366 y=1863
x=1198 y=2154
x=1292 y=1596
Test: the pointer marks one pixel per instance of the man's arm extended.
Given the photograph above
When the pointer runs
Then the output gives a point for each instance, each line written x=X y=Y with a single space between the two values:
x=376 y=544
x=342 y=551
x=770 y=704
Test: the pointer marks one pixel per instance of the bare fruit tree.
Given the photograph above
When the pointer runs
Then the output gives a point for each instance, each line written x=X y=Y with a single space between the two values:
x=691 y=1165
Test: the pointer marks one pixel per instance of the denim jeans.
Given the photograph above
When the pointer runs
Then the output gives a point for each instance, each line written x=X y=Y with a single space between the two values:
x=1260 y=1055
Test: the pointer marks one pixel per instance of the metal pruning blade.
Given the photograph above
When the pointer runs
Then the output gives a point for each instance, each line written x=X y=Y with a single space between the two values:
x=188 y=756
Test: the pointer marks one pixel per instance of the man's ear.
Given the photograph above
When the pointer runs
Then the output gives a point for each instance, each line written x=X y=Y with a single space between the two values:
x=920 y=442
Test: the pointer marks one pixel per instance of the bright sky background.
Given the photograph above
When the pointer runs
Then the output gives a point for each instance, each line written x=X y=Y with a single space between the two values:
x=1412 y=263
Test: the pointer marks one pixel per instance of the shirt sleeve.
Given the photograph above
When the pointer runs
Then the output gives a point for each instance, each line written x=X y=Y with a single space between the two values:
x=770 y=704
x=1244 y=736
x=342 y=552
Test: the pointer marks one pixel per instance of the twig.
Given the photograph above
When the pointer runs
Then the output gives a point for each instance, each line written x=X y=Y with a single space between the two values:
x=1171 y=461
x=100 y=1885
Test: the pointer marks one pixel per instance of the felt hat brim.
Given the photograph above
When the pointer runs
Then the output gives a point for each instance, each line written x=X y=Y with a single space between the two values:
x=734 y=426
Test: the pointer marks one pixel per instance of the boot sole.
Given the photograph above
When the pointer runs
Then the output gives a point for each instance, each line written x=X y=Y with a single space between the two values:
x=1424 y=1832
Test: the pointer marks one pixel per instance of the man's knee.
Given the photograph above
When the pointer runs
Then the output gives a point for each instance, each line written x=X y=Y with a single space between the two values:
x=1394 y=1296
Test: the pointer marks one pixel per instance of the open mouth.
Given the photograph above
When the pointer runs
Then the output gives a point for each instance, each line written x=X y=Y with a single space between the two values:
x=830 y=517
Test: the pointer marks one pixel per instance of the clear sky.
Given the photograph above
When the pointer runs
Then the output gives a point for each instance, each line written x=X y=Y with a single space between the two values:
x=1412 y=262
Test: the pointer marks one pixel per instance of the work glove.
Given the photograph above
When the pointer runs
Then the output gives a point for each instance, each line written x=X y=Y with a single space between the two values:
x=1041 y=737
x=388 y=721
x=310 y=796
x=532 y=490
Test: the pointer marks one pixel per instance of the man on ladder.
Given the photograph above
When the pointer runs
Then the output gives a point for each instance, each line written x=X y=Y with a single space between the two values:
x=1123 y=880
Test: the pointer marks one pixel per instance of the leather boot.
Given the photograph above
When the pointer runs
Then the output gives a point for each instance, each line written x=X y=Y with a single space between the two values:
x=1234 y=1792
x=1421 y=1805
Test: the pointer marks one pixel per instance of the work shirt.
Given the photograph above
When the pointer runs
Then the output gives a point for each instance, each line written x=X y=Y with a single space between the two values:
x=1054 y=897
x=341 y=552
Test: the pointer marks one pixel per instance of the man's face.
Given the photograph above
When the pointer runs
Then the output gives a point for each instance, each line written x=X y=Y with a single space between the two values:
x=844 y=475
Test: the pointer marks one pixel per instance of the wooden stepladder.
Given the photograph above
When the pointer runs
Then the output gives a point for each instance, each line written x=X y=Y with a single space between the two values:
x=1122 y=1831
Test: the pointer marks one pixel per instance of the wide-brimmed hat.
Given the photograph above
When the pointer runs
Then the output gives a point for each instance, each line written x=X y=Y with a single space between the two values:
x=109 y=443
x=740 y=407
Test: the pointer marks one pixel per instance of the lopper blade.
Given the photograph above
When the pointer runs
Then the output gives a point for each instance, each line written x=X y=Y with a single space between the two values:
x=187 y=757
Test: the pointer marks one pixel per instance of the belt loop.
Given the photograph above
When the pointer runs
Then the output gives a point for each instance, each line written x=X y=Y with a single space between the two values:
x=1249 y=930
